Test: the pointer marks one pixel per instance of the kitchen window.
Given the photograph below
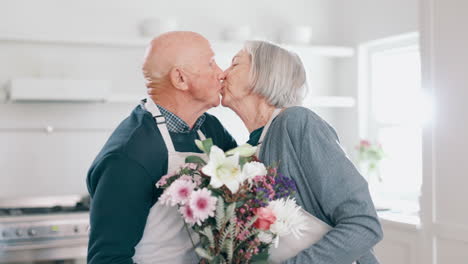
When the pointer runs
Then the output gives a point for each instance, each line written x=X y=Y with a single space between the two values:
x=392 y=111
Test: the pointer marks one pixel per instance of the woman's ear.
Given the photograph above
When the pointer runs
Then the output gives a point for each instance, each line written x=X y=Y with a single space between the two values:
x=179 y=79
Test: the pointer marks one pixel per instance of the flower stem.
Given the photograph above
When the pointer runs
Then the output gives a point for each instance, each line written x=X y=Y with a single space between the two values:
x=191 y=240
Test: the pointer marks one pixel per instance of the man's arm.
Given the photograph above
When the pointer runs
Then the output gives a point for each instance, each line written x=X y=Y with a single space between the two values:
x=121 y=193
x=341 y=192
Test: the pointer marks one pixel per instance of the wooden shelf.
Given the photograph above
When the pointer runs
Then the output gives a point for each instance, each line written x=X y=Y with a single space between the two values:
x=303 y=50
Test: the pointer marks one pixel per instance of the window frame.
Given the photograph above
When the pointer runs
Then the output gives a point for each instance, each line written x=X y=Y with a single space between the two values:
x=368 y=127
x=407 y=41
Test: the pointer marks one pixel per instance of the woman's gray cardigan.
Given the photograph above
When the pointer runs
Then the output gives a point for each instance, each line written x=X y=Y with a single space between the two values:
x=329 y=187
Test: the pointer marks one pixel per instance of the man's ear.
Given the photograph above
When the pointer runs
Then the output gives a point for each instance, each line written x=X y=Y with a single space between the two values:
x=179 y=79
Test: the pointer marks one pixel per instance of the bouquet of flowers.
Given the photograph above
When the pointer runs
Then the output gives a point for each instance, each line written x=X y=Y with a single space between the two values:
x=369 y=157
x=237 y=206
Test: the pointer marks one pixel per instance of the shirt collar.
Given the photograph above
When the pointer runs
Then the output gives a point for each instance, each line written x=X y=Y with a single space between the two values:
x=254 y=137
x=176 y=124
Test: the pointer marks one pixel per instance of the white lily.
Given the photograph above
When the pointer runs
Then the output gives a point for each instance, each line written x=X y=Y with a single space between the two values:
x=252 y=169
x=223 y=170
x=245 y=150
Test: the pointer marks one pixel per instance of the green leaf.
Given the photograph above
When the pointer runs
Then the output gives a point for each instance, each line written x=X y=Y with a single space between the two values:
x=259 y=261
x=230 y=211
x=220 y=215
x=239 y=204
x=209 y=234
x=207 y=144
x=260 y=258
x=203 y=253
x=218 y=260
x=243 y=160
x=199 y=144
x=250 y=223
x=195 y=159
x=228 y=231
x=229 y=249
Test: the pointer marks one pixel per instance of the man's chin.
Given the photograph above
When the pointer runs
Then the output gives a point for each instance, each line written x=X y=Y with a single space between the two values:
x=216 y=103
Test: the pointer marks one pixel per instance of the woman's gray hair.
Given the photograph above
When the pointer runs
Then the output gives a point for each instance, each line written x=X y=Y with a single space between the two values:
x=276 y=73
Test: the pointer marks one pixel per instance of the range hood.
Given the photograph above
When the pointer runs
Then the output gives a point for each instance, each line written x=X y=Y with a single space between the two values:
x=58 y=90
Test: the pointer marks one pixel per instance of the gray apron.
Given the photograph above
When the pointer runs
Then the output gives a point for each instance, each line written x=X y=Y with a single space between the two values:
x=165 y=237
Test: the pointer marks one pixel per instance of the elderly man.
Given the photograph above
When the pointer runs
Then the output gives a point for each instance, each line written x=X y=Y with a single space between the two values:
x=128 y=224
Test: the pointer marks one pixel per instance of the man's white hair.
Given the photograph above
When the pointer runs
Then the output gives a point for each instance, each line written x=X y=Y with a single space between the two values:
x=276 y=73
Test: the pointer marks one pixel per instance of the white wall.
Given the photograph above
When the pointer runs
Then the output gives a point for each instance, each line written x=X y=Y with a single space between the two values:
x=33 y=162
x=366 y=20
x=121 y=17
x=445 y=214
x=361 y=21
x=442 y=236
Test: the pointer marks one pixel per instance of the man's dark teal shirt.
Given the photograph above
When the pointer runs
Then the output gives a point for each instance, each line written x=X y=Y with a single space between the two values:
x=121 y=181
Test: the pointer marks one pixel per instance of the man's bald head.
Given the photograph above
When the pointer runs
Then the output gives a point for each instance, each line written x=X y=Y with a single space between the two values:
x=177 y=48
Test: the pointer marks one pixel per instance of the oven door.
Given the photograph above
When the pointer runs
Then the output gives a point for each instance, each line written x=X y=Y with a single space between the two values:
x=48 y=250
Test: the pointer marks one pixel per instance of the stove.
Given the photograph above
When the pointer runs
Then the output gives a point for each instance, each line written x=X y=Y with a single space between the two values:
x=43 y=228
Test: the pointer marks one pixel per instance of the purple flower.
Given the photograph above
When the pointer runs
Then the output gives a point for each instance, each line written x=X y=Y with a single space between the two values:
x=262 y=196
x=284 y=187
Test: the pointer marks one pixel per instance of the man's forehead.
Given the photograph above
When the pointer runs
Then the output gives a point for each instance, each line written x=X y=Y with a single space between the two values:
x=207 y=52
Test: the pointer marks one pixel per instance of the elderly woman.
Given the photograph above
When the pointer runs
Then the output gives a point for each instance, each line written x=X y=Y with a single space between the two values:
x=263 y=85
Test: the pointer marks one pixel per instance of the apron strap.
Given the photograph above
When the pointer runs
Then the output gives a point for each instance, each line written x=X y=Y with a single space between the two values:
x=265 y=129
x=161 y=123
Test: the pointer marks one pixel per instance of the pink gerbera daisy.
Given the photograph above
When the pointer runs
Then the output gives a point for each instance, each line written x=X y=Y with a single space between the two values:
x=202 y=204
x=180 y=191
x=187 y=213
x=165 y=198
